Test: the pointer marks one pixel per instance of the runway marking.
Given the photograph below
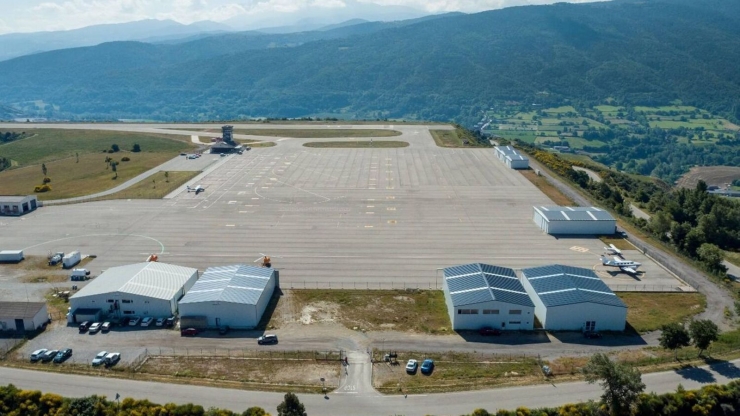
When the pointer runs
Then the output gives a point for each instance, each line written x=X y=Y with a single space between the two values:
x=390 y=197
x=232 y=202
x=390 y=209
x=580 y=249
x=371 y=206
x=368 y=226
x=230 y=225
x=241 y=193
x=100 y=235
x=392 y=222
x=255 y=198
x=369 y=213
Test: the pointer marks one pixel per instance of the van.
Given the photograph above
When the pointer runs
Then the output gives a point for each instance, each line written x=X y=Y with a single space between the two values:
x=80 y=273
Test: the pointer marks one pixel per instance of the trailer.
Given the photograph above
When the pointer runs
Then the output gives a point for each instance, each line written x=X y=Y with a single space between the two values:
x=11 y=256
x=71 y=259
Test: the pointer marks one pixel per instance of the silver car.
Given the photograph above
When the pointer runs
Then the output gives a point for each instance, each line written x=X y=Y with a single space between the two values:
x=99 y=359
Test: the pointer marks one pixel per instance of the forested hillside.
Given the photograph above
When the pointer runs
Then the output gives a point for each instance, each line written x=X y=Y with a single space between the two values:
x=645 y=52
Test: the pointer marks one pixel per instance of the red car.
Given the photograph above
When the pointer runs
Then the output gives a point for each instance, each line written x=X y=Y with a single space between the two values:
x=489 y=331
x=188 y=332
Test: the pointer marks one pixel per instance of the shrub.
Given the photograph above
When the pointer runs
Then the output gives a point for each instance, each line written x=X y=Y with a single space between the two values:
x=114 y=147
x=136 y=148
x=42 y=188
x=110 y=150
x=125 y=159
x=47 y=180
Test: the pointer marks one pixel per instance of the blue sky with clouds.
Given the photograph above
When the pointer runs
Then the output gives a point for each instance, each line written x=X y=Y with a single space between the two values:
x=41 y=15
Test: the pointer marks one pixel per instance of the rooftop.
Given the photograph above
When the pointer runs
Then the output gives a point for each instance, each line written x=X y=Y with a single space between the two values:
x=152 y=279
x=558 y=285
x=475 y=283
x=557 y=213
x=14 y=198
x=233 y=284
x=20 y=310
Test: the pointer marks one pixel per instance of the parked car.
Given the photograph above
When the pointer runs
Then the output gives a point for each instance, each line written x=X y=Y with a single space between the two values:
x=112 y=359
x=427 y=366
x=411 y=366
x=105 y=327
x=134 y=321
x=94 y=328
x=49 y=355
x=147 y=321
x=160 y=322
x=224 y=330
x=85 y=325
x=487 y=331
x=188 y=332
x=267 y=339
x=591 y=334
x=100 y=358
x=169 y=322
x=62 y=355
x=36 y=355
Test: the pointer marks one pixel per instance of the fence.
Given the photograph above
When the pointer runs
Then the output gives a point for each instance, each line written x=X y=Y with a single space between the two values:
x=8 y=343
x=651 y=288
x=245 y=353
x=392 y=285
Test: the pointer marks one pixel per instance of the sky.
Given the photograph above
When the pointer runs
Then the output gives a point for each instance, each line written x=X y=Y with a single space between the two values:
x=48 y=15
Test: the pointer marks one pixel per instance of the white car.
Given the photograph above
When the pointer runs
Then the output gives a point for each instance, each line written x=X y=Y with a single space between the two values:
x=411 y=366
x=94 y=328
x=160 y=322
x=146 y=321
x=36 y=355
x=99 y=359
x=134 y=321
x=105 y=327
x=112 y=358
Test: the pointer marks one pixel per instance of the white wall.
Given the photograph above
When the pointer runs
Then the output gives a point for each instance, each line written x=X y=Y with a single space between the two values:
x=140 y=305
x=540 y=311
x=574 y=317
x=540 y=221
x=501 y=320
x=233 y=315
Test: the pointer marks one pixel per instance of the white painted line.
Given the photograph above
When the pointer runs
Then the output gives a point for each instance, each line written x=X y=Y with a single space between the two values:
x=369 y=213
x=230 y=225
x=368 y=226
x=232 y=202
x=371 y=206
x=255 y=198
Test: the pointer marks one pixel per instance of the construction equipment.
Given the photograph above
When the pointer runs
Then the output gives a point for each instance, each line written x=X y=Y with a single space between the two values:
x=152 y=257
x=266 y=262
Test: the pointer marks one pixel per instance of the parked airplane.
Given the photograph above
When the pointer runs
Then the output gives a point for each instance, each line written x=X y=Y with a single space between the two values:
x=198 y=189
x=614 y=250
x=626 y=266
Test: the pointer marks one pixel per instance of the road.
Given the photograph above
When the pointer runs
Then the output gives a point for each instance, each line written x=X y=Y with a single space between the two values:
x=362 y=402
x=717 y=298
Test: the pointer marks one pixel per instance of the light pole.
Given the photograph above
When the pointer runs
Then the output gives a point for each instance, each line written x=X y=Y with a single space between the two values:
x=323 y=385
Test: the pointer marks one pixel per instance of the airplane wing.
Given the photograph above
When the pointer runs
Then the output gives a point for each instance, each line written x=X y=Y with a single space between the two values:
x=615 y=249
x=629 y=270
x=616 y=258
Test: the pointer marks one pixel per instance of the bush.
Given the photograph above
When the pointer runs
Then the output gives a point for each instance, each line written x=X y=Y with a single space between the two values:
x=47 y=180
x=136 y=148
x=125 y=159
x=114 y=147
x=42 y=188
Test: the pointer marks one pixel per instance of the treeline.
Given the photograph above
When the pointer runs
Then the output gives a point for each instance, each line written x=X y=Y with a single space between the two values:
x=9 y=136
x=694 y=222
x=4 y=163
x=709 y=400
x=17 y=402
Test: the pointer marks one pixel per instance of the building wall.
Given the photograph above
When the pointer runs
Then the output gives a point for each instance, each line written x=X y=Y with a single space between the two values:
x=139 y=305
x=218 y=314
x=26 y=205
x=30 y=324
x=541 y=221
x=503 y=320
x=517 y=164
x=581 y=227
x=540 y=311
x=574 y=317
x=264 y=299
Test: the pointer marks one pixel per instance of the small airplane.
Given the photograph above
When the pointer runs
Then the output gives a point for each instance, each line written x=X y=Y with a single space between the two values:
x=198 y=189
x=626 y=266
x=614 y=250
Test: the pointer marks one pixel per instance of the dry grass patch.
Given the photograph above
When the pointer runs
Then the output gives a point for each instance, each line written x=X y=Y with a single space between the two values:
x=547 y=188
x=712 y=175
x=360 y=144
x=373 y=310
x=255 y=143
x=454 y=138
x=261 y=373
x=618 y=241
x=154 y=187
x=456 y=372
x=649 y=311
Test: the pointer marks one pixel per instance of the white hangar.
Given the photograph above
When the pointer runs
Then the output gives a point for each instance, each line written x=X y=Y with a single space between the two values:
x=234 y=296
x=142 y=289
x=573 y=299
x=481 y=295
x=574 y=220
x=511 y=157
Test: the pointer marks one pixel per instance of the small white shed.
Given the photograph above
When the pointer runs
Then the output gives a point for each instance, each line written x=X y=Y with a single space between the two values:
x=22 y=316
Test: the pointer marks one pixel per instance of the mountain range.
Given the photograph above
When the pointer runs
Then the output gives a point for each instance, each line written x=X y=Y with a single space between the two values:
x=448 y=67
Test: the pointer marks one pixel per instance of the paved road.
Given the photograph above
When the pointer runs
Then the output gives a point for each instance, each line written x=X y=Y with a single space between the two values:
x=362 y=402
x=717 y=298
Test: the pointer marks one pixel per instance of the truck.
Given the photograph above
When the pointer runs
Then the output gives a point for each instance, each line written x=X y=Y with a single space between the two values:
x=55 y=258
x=11 y=256
x=71 y=259
x=80 y=274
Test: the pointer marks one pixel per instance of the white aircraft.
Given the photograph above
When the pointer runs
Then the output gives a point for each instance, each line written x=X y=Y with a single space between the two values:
x=198 y=189
x=626 y=266
x=614 y=250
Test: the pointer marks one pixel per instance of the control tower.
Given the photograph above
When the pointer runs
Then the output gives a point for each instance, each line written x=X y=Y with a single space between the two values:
x=227 y=133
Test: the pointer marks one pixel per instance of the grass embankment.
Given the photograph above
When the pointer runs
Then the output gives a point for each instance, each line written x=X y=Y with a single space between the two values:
x=360 y=144
x=154 y=187
x=375 y=310
x=455 y=372
x=314 y=133
x=649 y=311
x=455 y=138
x=72 y=175
x=547 y=188
x=618 y=241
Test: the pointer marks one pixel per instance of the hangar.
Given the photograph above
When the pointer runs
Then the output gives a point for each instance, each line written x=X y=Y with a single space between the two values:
x=142 y=289
x=574 y=220
x=573 y=299
x=511 y=157
x=234 y=296
x=23 y=316
x=481 y=295
x=18 y=205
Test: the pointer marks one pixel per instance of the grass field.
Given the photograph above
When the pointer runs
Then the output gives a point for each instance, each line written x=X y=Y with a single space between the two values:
x=547 y=188
x=315 y=133
x=154 y=187
x=649 y=311
x=453 y=138
x=359 y=144
x=733 y=258
x=373 y=310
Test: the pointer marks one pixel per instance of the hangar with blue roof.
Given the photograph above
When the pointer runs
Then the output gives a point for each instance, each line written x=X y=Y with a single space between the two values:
x=235 y=296
x=558 y=220
x=573 y=299
x=482 y=295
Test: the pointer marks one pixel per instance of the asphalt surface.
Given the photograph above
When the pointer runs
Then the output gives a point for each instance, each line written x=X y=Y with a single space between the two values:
x=360 y=401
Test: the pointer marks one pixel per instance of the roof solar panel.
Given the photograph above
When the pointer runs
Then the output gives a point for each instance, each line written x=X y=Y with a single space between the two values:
x=511 y=297
x=474 y=281
x=497 y=270
x=471 y=297
x=504 y=283
x=463 y=269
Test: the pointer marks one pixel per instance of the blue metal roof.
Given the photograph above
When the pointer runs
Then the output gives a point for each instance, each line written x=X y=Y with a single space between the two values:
x=558 y=285
x=233 y=284
x=556 y=213
x=476 y=283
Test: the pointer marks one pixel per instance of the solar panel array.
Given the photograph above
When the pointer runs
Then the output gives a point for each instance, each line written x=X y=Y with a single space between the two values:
x=234 y=284
x=558 y=285
x=476 y=283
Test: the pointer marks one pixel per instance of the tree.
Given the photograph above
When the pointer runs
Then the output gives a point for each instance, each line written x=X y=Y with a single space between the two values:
x=291 y=406
x=622 y=383
x=77 y=155
x=674 y=336
x=113 y=166
x=43 y=169
x=167 y=176
x=703 y=333
x=255 y=411
x=136 y=148
x=114 y=147
x=712 y=257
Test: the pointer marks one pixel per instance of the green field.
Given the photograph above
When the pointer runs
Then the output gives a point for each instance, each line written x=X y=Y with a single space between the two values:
x=649 y=311
x=358 y=144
